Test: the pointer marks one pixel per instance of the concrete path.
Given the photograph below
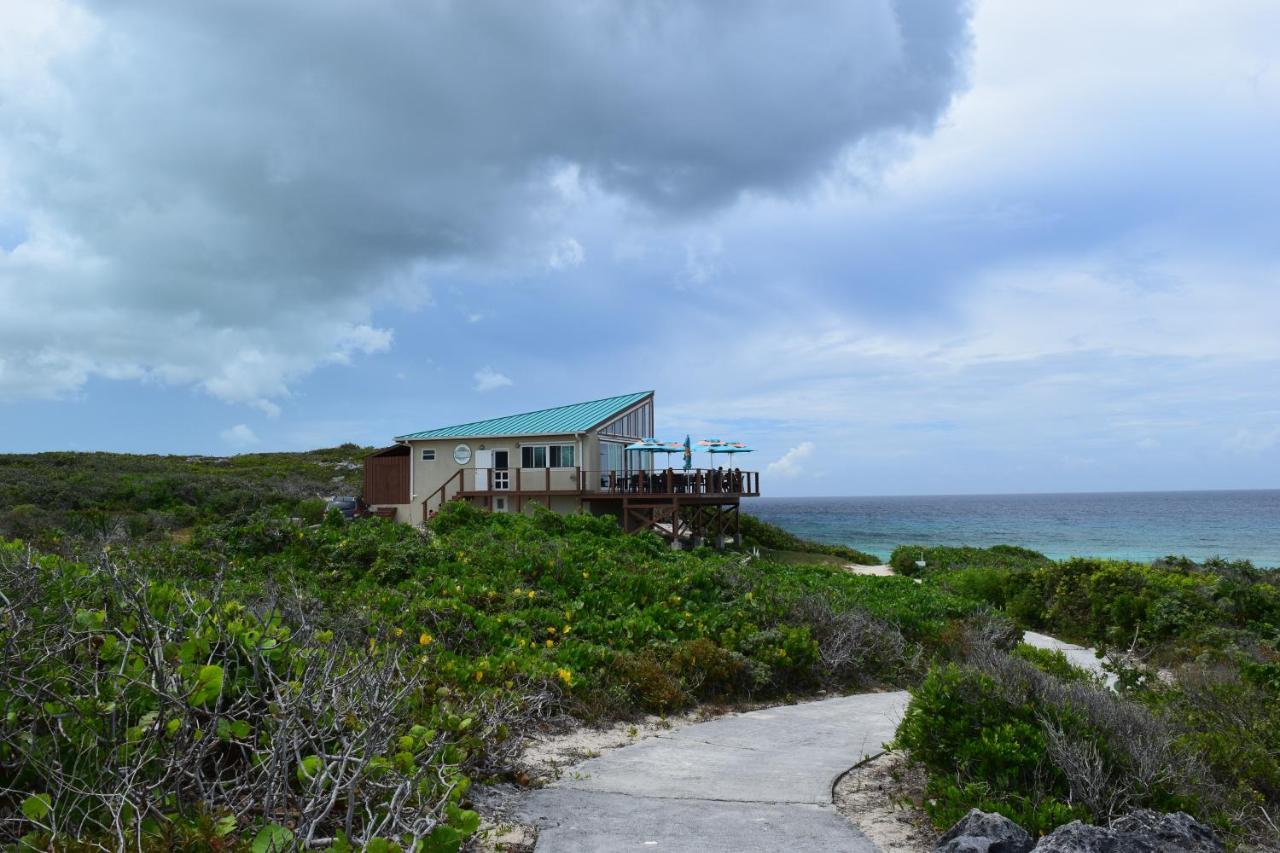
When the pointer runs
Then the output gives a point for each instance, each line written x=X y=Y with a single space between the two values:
x=1079 y=656
x=759 y=781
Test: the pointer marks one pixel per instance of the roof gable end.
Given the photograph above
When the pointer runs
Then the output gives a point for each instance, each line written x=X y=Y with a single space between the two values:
x=578 y=417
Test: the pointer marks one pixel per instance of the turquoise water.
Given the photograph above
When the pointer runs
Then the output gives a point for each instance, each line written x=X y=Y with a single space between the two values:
x=1123 y=525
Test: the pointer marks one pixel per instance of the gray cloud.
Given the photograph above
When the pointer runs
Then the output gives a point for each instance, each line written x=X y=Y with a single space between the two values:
x=221 y=193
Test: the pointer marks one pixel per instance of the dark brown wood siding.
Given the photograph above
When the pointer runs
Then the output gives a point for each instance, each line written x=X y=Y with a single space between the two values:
x=386 y=476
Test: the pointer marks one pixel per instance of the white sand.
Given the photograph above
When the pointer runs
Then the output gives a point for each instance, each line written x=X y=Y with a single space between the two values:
x=884 y=570
x=875 y=798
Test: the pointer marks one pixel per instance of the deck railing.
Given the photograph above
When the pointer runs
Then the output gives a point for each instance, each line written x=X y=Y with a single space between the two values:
x=705 y=482
x=553 y=480
x=695 y=482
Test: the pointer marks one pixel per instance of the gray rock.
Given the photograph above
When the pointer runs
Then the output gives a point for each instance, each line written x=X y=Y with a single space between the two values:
x=984 y=832
x=1176 y=831
x=1138 y=832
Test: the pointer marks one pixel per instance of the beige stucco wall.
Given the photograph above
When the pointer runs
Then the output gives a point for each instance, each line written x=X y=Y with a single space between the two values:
x=427 y=477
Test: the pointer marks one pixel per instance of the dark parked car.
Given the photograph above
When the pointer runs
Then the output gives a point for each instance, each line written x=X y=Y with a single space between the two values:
x=348 y=506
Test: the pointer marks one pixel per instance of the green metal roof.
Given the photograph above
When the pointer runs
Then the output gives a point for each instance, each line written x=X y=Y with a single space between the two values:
x=563 y=419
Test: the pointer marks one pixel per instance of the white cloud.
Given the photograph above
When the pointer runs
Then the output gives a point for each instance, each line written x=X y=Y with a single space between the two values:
x=488 y=379
x=239 y=435
x=790 y=464
x=565 y=254
x=271 y=205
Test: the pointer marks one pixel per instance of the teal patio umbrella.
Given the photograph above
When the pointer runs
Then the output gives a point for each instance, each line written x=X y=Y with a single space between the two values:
x=688 y=454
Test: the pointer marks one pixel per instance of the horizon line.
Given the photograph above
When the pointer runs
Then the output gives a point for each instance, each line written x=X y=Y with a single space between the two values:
x=1022 y=494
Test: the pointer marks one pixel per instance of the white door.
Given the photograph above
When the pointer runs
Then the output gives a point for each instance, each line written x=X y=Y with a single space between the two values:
x=483 y=464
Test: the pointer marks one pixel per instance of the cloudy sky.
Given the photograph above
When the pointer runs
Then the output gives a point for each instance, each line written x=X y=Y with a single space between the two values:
x=900 y=247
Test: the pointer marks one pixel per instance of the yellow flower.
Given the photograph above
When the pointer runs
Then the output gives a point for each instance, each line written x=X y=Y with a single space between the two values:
x=551 y=630
x=586 y=574
x=399 y=632
x=532 y=593
x=565 y=675
x=568 y=628
x=550 y=644
x=424 y=639
x=479 y=676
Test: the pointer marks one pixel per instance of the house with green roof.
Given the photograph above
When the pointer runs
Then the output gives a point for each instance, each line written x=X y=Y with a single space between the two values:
x=567 y=459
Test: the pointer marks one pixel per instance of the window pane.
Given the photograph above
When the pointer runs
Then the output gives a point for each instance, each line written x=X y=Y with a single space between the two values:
x=566 y=456
x=526 y=457
x=540 y=456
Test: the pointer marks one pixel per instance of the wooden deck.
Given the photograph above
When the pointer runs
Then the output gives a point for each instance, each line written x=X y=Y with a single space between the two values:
x=710 y=484
x=696 y=505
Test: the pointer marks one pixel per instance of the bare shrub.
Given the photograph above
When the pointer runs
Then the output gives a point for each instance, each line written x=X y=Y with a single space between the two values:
x=1115 y=754
x=854 y=646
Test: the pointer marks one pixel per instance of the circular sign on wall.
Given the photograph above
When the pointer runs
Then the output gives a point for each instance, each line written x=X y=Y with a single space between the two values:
x=462 y=454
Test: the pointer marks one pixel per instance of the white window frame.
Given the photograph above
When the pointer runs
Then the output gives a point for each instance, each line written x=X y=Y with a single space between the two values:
x=546 y=454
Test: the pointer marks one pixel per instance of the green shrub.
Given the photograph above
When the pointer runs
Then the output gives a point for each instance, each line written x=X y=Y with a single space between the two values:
x=1010 y=733
x=174 y=717
x=1053 y=662
x=944 y=559
x=1174 y=606
x=759 y=533
x=85 y=494
x=310 y=510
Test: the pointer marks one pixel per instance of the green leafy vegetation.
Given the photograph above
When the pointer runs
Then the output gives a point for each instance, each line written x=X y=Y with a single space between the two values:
x=762 y=534
x=905 y=558
x=266 y=682
x=1027 y=735
x=45 y=497
x=1174 y=608
x=194 y=657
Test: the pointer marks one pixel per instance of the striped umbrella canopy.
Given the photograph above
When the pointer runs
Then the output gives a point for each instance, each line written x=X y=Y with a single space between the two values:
x=652 y=445
x=731 y=447
x=707 y=444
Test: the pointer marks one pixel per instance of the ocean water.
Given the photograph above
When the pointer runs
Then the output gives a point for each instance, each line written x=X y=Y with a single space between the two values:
x=1123 y=525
